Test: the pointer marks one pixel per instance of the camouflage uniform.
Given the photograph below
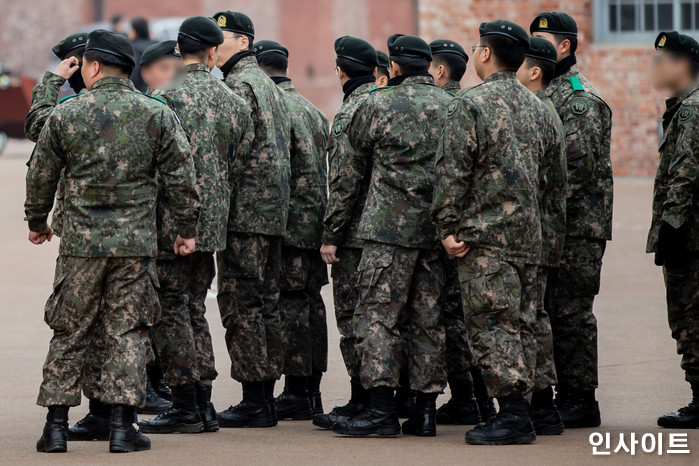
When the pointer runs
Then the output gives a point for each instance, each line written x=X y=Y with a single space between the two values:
x=488 y=198
x=401 y=273
x=217 y=124
x=452 y=88
x=303 y=272
x=587 y=123
x=248 y=269
x=348 y=183
x=676 y=202
x=105 y=276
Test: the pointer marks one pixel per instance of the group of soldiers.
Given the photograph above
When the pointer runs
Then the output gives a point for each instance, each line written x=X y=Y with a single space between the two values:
x=465 y=230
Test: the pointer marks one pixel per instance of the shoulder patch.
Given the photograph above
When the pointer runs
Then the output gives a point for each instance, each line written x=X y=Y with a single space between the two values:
x=155 y=98
x=379 y=88
x=452 y=108
x=69 y=97
x=575 y=83
x=578 y=106
x=338 y=129
x=685 y=113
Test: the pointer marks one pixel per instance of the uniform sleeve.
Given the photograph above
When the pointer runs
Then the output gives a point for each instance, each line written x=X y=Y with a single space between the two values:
x=45 y=165
x=178 y=176
x=44 y=99
x=361 y=128
x=458 y=148
x=242 y=136
x=552 y=189
x=683 y=172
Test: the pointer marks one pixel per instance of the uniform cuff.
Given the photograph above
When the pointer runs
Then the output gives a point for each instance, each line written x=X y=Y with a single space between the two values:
x=333 y=238
x=188 y=231
x=448 y=230
x=37 y=226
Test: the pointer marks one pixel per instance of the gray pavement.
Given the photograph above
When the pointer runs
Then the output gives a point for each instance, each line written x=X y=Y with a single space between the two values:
x=639 y=370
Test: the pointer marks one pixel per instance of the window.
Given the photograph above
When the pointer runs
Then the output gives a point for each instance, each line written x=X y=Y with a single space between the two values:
x=641 y=20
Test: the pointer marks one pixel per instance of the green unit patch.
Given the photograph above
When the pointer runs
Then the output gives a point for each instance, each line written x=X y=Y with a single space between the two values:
x=452 y=108
x=685 y=113
x=338 y=129
x=69 y=97
x=575 y=83
x=578 y=106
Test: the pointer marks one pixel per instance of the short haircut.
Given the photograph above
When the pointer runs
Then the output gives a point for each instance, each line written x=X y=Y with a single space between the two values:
x=109 y=61
x=251 y=40
x=573 y=41
x=140 y=27
x=411 y=64
x=508 y=53
x=548 y=68
x=274 y=63
x=192 y=48
x=353 y=69
x=455 y=64
x=382 y=71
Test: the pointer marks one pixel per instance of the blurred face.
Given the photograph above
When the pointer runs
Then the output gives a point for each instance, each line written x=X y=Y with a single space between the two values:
x=480 y=55
x=231 y=45
x=160 y=72
x=669 y=73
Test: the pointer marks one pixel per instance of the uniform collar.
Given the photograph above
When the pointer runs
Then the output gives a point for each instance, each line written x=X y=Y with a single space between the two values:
x=452 y=86
x=285 y=84
x=413 y=78
x=500 y=76
x=114 y=81
x=196 y=67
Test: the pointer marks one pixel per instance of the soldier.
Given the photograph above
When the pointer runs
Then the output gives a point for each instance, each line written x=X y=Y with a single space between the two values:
x=348 y=183
x=105 y=275
x=382 y=74
x=401 y=276
x=218 y=125
x=674 y=233
x=303 y=272
x=587 y=124
x=536 y=73
x=449 y=64
x=160 y=64
x=249 y=267
x=487 y=214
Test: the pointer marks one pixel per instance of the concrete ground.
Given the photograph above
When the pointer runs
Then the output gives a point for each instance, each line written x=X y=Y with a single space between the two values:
x=640 y=376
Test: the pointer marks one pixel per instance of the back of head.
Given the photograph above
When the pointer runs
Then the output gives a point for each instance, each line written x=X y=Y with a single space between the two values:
x=410 y=53
x=71 y=46
x=383 y=63
x=561 y=25
x=197 y=35
x=140 y=28
x=112 y=51
x=355 y=57
x=542 y=54
x=451 y=55
x=272 y=57
x=507 y=41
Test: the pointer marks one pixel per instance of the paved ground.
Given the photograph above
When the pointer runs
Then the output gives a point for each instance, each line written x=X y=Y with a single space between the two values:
x=639 y=374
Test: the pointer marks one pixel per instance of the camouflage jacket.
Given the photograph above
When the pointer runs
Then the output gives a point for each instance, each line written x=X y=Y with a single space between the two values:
x=675 y=194
x=587 y=126
x=260 y=201
x=44 y=99
x=452 y=87
x=218 y=125
x=399 y=129
x=348 y=177
x=552 y=194
x=496 y=135
x=111 y=141
x=308 y=183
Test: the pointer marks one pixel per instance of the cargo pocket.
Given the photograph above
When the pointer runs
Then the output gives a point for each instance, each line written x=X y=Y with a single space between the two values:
x=294 y=272
x=52 y=310
x=374 y=276
x=485 y=287
x=150 y=296
x=578 y=275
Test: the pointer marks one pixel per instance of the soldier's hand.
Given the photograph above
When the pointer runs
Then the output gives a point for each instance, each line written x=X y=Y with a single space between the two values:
x=67 y=67
x=38 y=237
x=327 y=252
x=455 y=248
x=184 y=247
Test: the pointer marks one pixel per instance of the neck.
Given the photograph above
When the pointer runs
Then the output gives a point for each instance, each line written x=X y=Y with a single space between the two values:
x=682 y=86
x=192 y=61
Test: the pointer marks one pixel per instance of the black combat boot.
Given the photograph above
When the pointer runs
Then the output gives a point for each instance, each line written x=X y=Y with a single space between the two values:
x=314 y=397
x=486 y=404
x=94 y=426
x=462 y=408
x=405 y=397
x=381 y=417
x=207 y=412
x=358 y=403
x=511 y=426
x=423 y=420
x=55 y=436
x=182 y=418
x=155 y=404
x=684 y=418
x=580 y=409
x=124 y=437
x=544 y=414
x=157 y=380
x=561 y=395
x=293 y=403
x=269 y=396
x=253 y=411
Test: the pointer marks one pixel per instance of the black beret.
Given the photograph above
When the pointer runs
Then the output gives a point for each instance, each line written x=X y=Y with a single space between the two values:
x=400 y=45
x=554 y=22
x=679 y=43
x=356 y=49
x=542 y=49
x=269 y=46
x=235 y=21
x=71 y=42
x=111 y=43
x=500 y=27
x=448 y=46
x=382 y=59
x=167 y=48
x=202 y=29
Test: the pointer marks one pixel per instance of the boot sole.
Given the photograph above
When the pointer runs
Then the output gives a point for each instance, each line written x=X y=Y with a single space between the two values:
x=381 y=432
x=254 y=424
x=322 y=425
x=519 y=439
x=197 y=428
x=122 y=447
x=51 y=448
x=675 y=425
x=550 y=429
x=88 y=438
x=211 y=426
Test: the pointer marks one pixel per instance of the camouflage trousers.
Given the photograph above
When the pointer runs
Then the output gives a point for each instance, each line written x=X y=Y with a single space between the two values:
x=459 y=353
x=682 y=285
x=57 y=218
x=104 y=302
x=545 y=374
x=500 y=309
x=345 y=297
x=572 y=288
x=248 y=296
x=182 y=336
x=302 y=312
x=398 y=319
